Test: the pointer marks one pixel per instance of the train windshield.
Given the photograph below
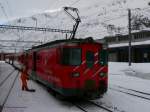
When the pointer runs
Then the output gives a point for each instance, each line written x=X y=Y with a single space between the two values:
x=71 y=56
x=103 y=57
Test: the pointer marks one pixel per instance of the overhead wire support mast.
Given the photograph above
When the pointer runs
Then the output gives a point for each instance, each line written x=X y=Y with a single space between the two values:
x=34 y=28
x=76 y=19
x=130 y=37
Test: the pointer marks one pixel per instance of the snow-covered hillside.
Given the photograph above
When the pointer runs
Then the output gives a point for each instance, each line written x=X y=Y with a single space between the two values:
x=96 y=16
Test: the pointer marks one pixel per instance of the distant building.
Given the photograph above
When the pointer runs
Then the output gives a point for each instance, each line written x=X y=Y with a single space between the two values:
x=118 y=47
x=1 y=56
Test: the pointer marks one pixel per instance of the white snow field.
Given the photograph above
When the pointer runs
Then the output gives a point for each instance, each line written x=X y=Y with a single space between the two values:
x=127 y=92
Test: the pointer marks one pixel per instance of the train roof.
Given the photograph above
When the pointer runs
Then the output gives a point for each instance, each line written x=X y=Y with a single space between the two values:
x=64 y=41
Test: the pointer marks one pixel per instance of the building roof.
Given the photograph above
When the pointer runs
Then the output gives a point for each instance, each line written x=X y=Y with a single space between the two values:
x=146 y=42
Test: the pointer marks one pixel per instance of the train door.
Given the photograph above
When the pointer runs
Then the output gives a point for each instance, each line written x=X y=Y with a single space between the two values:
x=34 y=67
x=34 y=61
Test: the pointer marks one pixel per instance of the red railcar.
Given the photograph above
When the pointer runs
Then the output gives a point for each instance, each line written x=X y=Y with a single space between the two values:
x=76 y=67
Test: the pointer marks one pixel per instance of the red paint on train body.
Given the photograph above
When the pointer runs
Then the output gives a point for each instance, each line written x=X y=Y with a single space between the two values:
x=75 y=67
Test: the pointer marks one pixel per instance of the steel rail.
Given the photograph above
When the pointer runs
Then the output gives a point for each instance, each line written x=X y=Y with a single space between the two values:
x=79 y=107
x=100 y=106
x=130 y=94
x=5 y=100
x=144 y=93
x=84 y=109
x=7 y=77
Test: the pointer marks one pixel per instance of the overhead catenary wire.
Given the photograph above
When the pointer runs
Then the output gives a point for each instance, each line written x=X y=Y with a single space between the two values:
x=143 y=10
x=20 y=41
x=25 y=28
x=7 y=16
x=12 y=30
x=10 y=10
x=1 y=46
x=3 y=10
x=115 y=18
x=76 y=1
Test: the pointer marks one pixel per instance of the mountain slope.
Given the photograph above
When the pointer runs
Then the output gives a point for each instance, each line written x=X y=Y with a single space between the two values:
x=97 y=16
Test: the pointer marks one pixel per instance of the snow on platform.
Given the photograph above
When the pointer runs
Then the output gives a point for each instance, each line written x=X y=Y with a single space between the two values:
x=22 y=101
x=43 y=101
x=120 y=74
x=135 y=77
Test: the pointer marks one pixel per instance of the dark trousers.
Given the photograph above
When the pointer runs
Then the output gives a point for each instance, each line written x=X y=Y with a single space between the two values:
x=24 y=87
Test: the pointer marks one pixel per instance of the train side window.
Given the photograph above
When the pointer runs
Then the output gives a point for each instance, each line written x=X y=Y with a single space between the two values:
x=89 y=59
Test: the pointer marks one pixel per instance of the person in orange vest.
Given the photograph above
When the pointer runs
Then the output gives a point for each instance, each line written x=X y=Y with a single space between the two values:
x=24 y=77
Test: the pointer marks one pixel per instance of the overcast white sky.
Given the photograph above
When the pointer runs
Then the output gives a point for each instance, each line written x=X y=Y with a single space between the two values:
x=10 y=9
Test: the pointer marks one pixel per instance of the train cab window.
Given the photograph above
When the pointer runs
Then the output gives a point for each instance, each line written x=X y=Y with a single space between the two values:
x=71 y=56
x=89 y=59
x=103 y=57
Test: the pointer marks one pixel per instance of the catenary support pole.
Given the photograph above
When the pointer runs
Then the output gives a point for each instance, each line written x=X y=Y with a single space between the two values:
x=130 y=38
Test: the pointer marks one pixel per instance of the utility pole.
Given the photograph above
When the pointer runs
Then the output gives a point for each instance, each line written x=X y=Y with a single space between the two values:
x=130 y=36
x=35 y=19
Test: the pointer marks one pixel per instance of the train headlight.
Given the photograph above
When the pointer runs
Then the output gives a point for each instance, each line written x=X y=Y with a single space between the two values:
x=102 y=74
x=75 y=75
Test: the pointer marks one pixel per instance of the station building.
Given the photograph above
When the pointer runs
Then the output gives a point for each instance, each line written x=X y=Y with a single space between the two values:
x=2 y=56
x=140 y=50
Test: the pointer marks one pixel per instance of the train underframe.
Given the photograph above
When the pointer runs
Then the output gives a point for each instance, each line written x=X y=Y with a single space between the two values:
x=87 y=92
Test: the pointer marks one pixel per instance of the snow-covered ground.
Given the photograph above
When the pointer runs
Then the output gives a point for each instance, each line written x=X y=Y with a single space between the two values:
x=136 y=77
x=21 y=101
x=121 y=79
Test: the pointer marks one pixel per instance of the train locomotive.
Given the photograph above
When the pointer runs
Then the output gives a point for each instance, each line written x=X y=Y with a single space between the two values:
x=72 y=68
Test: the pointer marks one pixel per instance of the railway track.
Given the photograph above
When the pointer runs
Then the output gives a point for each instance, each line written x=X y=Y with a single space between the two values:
x=144 y=93
x=2 y=82
x=131 y=92
x=90 y=106
x=6 y=98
